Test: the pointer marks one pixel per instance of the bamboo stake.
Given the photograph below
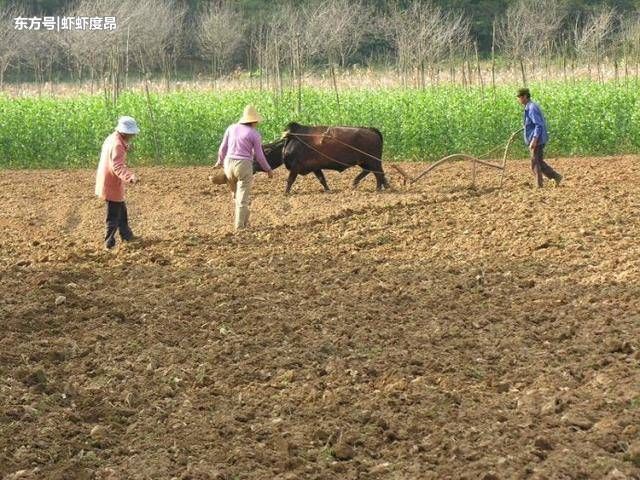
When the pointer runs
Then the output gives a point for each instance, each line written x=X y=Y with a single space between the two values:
x=126 y=62
x=335 y=88
x=493 y=59
x=157 y=155
x=475 y=45
x=299 y=64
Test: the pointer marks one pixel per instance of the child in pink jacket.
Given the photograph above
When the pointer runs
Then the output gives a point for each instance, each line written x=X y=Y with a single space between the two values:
x=111 y=179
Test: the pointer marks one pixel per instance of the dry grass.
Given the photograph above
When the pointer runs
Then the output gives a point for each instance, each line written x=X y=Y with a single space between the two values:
x=357 y=77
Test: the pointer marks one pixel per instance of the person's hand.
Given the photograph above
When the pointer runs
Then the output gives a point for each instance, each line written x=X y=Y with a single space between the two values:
x=134 y=179
x=270 y=174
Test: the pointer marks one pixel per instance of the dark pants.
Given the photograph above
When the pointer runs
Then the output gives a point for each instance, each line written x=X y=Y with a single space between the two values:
x=117 y=220
x=540 y=167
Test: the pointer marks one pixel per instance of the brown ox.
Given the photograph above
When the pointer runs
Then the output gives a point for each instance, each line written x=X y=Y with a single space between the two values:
x=313 y=149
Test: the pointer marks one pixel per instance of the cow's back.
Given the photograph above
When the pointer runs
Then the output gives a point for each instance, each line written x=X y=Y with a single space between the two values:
x=366 y=139
x=331 y=148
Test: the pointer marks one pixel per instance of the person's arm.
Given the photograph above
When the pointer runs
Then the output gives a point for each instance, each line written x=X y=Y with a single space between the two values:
x=119 y=167
x=536 y=117
x=259 y=153
x=222 y=151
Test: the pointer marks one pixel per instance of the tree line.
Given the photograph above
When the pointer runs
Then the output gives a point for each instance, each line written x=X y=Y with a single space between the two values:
x=280 y=42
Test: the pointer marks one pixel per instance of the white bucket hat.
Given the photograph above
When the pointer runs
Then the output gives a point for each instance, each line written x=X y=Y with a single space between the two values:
x=127 y=125
x=250 y=115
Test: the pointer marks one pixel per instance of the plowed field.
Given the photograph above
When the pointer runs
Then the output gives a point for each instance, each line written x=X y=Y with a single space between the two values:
x=426 y=333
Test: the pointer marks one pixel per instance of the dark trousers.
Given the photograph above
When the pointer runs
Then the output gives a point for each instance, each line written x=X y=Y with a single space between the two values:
x=540 y=167
x=117 y=220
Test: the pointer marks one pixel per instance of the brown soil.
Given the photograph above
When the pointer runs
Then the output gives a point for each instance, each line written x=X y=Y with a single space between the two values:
x=437 y=332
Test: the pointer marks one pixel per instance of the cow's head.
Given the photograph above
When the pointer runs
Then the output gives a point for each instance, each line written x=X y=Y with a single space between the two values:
x=273 y=153
x=293 y=127
x=290 y=145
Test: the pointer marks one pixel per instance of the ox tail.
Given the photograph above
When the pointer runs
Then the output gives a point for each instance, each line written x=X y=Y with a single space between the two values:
x=379 y=133
x=381 y=178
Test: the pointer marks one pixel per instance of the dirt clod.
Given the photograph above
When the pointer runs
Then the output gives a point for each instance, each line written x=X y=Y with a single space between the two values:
x=490 y=476
x=380 y=468
x=343 y=451
x=543 y=443
x=579 y=421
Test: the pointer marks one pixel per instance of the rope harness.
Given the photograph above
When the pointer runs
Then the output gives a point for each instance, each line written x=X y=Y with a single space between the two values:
x=326 y=135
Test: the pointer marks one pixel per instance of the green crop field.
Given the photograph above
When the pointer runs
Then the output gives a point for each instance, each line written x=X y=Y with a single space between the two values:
x=584 y=118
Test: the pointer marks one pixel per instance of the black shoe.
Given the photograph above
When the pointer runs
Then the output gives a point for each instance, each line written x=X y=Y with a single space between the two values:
x=558 y=179
x=110 y=243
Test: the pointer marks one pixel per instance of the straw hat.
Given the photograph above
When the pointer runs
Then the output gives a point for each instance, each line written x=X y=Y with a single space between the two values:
x=127 y=125
x=250 y=115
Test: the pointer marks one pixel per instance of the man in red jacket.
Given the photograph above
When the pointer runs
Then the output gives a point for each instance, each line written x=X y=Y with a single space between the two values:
x=111 y=179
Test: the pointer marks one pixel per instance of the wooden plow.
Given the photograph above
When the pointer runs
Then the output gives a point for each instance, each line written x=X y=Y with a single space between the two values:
x=475 y=161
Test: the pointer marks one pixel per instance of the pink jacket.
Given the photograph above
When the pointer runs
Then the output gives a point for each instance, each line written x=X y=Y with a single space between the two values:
x=112 y=174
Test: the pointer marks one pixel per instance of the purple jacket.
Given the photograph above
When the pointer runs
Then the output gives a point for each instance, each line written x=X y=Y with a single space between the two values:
x=242 y=142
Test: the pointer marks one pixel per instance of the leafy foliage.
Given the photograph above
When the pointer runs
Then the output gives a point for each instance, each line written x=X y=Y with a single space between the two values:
x=584 y=118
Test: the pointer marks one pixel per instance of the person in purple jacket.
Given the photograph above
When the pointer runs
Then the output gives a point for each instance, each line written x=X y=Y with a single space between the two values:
x=241 y=142
x=536 y=137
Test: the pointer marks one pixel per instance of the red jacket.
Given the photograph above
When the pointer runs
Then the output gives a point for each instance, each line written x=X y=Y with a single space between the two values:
x=112 y=174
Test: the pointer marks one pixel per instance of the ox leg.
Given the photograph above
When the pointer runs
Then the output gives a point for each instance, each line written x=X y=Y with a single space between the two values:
x=359 y=178
x=290 y=180
x=323 y=181
x=381 y=181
